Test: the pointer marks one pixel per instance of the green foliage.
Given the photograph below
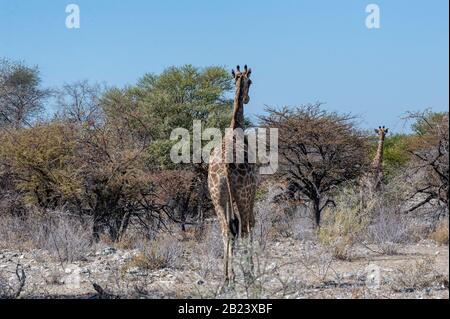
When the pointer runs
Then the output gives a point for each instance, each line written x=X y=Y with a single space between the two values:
x=396 y=154
x=21 y=97
x=106 y=167
x=113 y=166
x=261 y=193
x=159 y=155
x=174 y=99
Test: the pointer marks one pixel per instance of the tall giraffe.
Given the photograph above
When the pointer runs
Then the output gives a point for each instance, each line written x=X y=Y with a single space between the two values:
x=377 y=164
x=233 y=185
x=371 y=181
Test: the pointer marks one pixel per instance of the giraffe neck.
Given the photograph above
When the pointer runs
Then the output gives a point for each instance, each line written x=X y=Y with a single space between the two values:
x=237 y=120
x=378 y=161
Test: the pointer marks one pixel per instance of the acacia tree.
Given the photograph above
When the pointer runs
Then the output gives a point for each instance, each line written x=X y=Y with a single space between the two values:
x=98 y=172
x=116 y=182
x=159 y=103
x=21 y=97
x=429 y=166
x=79 y=103
x=318 y=150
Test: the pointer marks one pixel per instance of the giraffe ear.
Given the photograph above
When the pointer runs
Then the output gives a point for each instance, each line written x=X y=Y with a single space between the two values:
x=233 y=73
x=377 y=131
x=249 y=72
x=386 y=130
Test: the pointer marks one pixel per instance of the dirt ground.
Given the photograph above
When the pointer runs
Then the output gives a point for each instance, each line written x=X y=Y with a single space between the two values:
x=285 y=268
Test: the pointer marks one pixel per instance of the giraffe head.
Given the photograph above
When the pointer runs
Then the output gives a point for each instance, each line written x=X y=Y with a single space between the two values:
x=382 y=131
x=243 y=82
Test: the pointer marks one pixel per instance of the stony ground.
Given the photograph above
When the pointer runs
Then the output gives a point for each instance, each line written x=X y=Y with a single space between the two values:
x=285 y=268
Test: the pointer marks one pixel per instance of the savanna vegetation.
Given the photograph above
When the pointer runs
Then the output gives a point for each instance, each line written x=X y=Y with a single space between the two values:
x=97 y=170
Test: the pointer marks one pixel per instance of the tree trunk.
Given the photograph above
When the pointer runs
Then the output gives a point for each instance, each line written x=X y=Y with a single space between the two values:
x=124 y=224
x=316 y=212
x=96 y=229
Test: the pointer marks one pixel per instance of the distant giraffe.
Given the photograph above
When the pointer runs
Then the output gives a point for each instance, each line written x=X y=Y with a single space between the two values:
x=377 y=164
x=372 y=181
x=233 y=185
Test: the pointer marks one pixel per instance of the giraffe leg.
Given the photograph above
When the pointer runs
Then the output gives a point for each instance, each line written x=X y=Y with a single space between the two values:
x=231 y=246
x=251 y=270
x=229 y=275
x=221 y=202
x=226 y=256
x=246 y=210
x=228 y=271
x=250 y=232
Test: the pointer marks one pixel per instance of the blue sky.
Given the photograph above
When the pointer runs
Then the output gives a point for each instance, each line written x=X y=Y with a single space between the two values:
x=300 y=50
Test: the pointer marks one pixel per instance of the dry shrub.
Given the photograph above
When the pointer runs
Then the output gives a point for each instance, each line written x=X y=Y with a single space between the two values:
x=264 y=230
x=440 y=234
x=316 y=262
x=126 y=242
x=213 y=241
x=12 y=290
x=55 y=277
x=15 y=233
x=301 y=227
x=148 y=261
x=207 y=254
x=292 y=222
x=422 y=274
x=258 y=276
x=275 y=218
x=342 y=227
x=66 y=238
x=388 y=229
x=266 y=214
x=419 y=230
x=165 y=252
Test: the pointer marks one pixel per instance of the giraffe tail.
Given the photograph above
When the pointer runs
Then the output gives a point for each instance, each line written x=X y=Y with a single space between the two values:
x=233 y=216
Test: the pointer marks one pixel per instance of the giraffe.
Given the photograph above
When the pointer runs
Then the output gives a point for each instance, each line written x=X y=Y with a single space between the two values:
x=232 y=186
x=371 y=182
x=377 y=164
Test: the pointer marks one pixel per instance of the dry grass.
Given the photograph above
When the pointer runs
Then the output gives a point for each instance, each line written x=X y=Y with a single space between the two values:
x=340 y=231
x=421 y=275
x=55 y=277
x=258 y=276
x=316 y=262
x=147 y=261
x=276 y=219
x=165 y=252
x=65 y=237
x=440 y=234
x=15 y=233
